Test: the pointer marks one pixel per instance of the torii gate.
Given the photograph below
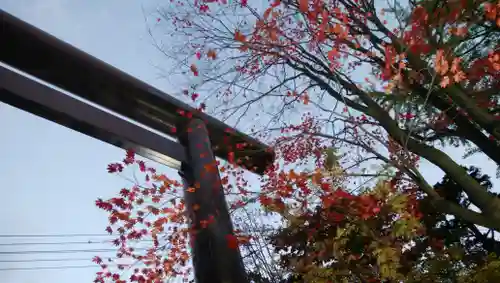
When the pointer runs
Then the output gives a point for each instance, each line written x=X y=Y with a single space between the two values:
x=27 y=49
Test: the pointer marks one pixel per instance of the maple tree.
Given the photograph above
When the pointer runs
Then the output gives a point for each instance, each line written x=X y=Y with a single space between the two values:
x=391 y=246
x=383 y=233
x=431 y=79
x=153 y=229
x=346 y=148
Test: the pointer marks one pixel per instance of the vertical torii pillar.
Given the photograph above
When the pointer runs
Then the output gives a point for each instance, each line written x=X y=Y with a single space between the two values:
x=214 y=261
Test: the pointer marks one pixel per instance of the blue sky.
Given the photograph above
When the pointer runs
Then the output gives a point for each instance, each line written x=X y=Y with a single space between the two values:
x=50 y=175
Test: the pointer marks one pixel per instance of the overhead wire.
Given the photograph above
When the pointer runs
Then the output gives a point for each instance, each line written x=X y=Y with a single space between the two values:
x=46 y=236
x=47 y=260
x=63 y=243
x=48 y=267
x=107 y=260
x=55 y=243
x=43 y=237
x=62 y=251
x=52 y=235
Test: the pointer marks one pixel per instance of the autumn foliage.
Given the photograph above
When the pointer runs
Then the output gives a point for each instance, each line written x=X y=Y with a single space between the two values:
x=353 y=95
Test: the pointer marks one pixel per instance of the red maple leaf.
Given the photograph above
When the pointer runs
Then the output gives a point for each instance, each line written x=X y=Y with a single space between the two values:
x=304 y=6
x=194 y=96
x=142 y=166
x=194 y=69
x=115 y=167
x=97 y=260
x=211 y=54
x=238 y=36
x=109 y=230
x=232 y=241
x=339 y=193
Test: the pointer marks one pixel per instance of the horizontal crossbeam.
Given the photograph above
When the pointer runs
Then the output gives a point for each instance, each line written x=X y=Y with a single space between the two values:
x=47 y=102
x=49 y=59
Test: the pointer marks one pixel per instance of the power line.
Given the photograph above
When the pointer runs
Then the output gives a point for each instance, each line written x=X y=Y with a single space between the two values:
x=64 y=251
x=55 y=243
x=73 y=235
x=63 y=243
x=46 y=260
x=54 y=235
x=49 y=267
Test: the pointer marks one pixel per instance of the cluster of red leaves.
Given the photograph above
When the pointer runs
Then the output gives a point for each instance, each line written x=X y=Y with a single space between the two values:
x=364 y=206
x=297 y=143
x=283 y=187
x=400 y=155
x=155 y=212
x=168 y=256
x=332 y=26
x=486 y=67
x=276 y=37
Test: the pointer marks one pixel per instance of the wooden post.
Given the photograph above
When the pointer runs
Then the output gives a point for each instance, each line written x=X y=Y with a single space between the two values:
x=214 y=260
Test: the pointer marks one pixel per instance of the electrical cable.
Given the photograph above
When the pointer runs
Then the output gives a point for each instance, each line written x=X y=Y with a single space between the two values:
x=63 y=243
x=48 y=267
x=54 y=235
x=64 y=251
x=48 y=260
x=55 y=243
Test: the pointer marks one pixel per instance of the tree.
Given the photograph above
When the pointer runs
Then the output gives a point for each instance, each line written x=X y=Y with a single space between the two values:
x=152 y=229
x=432 y=71
x=391 y=246
x=432 y=81
x=378 y=234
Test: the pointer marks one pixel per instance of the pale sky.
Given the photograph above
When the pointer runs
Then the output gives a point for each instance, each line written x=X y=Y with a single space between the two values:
x=50 y=175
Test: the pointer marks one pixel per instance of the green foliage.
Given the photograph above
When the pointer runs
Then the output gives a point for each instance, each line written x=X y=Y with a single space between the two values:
x=395 y=245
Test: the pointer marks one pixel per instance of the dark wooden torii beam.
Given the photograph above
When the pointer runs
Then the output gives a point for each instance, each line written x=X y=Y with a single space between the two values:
x=48 y=58
x=44 y=101
x=26 y=49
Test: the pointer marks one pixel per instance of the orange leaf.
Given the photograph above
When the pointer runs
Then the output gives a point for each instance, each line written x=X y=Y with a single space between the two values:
x=244 y=239
x=321 y=32
x=243 y=48
x=211 y=54
x=238 y=36
x=259 y=24
x=210 y=168
x=459 y=76
x=306 y=99
x=203 y=224
x=304 y=6
x=194 y=69
x=455 y=65
x=167 y=210
x=267 y=12
x=332 y=54
x=232 y=241
x=316 y=179
x=273 y=35
x=445 y=81
x=163 y=189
